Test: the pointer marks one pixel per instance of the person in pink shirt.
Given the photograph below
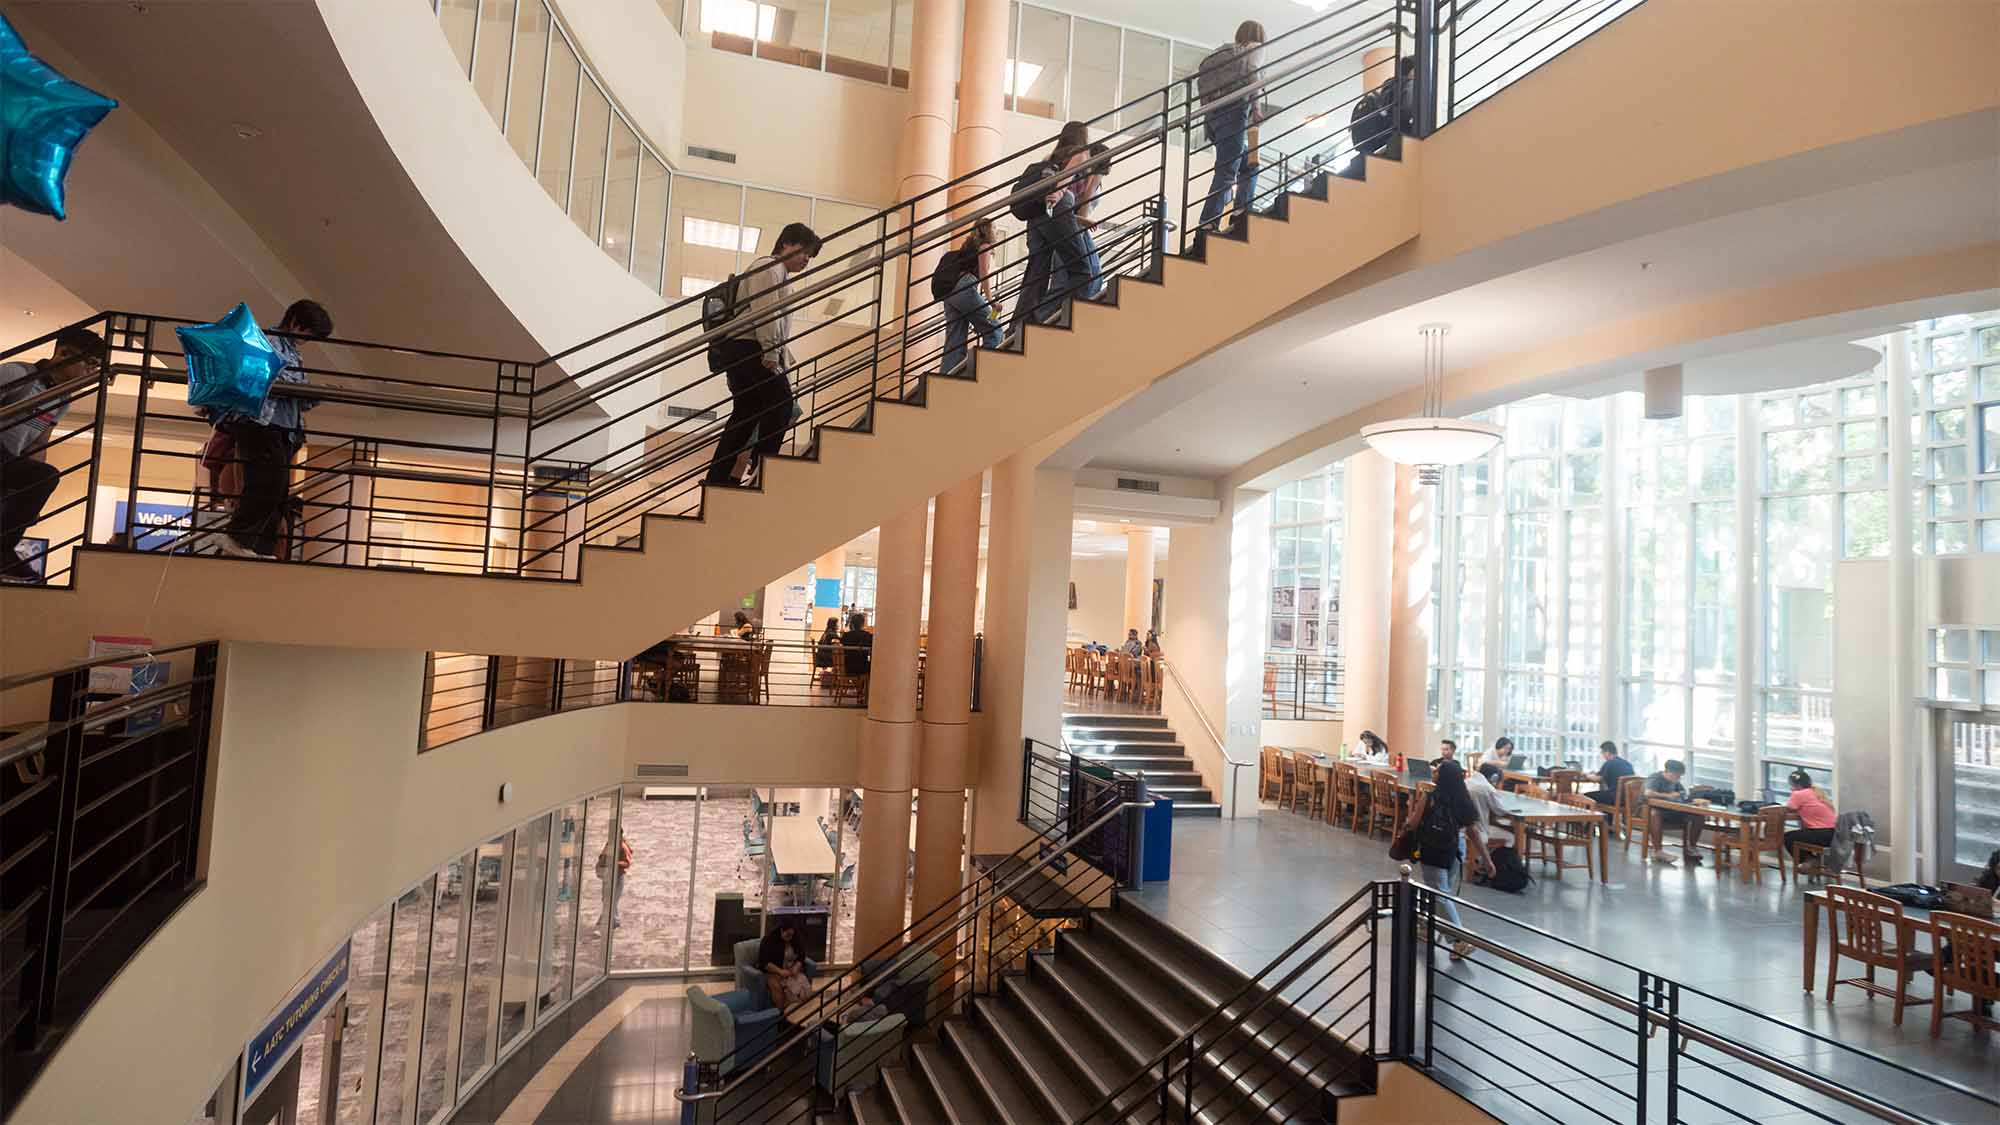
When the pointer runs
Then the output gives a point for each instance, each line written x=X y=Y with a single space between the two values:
x=1815 y=813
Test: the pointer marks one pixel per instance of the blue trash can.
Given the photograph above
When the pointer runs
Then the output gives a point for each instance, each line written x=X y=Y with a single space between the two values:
x=1156 y=860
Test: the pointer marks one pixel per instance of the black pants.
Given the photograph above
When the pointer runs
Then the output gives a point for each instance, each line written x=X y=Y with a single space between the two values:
x=760 y=407
x=266 y=454
x=24 y=487
x=1820 y=836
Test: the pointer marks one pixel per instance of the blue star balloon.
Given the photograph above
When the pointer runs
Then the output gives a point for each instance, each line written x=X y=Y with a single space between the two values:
x=230 y=363
x=43 y=117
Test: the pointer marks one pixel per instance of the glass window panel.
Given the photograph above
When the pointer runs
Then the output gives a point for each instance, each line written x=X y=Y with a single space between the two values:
x=1954 y=646
x=1093 y=84
x=594 y=910
x=490 y=62
x=1712 y=633
x=765 y=213
x=1864 y=523
x=1656 y=713
x=660 y=834
x=1145 y=71
x=1712 y=739
x=620 y=192
x=1948 y=500
x=1989 y=341
x=1858 y=470
x=734 y=835
x=700 y=208
x=1948 y=388
x=524 y=80
x=409 y=953
x=561 y=942
x=1799 y=578
x=899 y=59
x=1989 y=439
x=593 y=126
x=558 y=121
x=1475 y=486
x=1529 y=601
x=1656 y=592
x=1799 y=725
x=443 y=1005
x=1039 y=70
x=367 y=980
x=1946 y=350
x=1989 y=535
x=1715 y=466
x=1858 y=436
x=649 y=233
x=519 y=972
x=1586 y=594
x=1583 y=476
x=1952 y=685
x=1775 y=411
x=734 y=25
x=1948 y=425
x=458 y=17
x=1989 y=381
x=1816 y=407
x=1471 y=589
x=857 y=39
x=1798 y=459
x=489 y=904
x=1859 y=402
x=1950 y=538
x=1989 y=496
x=1534 y=428
x=1975 y=753
x=1948 y=462
x=1583 y=424
x=791 y=31
x=1531 y=484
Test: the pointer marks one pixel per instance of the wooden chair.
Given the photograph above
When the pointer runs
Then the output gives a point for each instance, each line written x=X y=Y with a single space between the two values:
x=760 y=670
x=1973 y=945
x=1858 y=921
x=1538 y=792
x=1562 y=782
x=1384 y=807
x=1628 y=809
x=1270 y=779
x=1311 y=787
x=1552 y=844
x=845 y=682
x=1076 y=676
x=1816 y=853
x=1288 y=780
x=1156 y=683
x=1346 y=794
x=1767 y=836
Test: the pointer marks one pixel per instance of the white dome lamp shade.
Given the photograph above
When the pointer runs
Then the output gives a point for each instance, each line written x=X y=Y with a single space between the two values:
x=1430 y=440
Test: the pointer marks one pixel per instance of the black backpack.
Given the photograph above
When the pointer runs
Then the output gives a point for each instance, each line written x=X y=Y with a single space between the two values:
x=952 y=265
x=1031 y=207
x=1437 y=836
x=719 y=305
x=1373 y=120
x=1509 y=873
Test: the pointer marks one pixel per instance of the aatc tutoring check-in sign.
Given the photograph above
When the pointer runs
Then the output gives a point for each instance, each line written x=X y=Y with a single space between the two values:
x=268 y=1050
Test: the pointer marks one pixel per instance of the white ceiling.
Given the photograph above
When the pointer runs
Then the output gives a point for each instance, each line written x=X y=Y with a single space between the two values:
x=1289 y=392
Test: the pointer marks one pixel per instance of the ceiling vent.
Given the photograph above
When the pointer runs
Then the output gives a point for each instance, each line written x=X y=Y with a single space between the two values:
x=661 y=769
x=1135 y=484
x=714 y=154
x=690 y=412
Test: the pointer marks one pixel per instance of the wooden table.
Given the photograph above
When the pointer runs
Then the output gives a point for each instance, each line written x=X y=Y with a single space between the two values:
x=799 y=847
x=1916 y=920
x=1728 y=817
x=1523 y=811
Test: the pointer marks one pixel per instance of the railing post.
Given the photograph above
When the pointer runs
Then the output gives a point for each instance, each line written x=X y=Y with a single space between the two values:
x=556 y=667
x=691 y=1082
x=201 y=705
x=1133 y=877
x=1403 y=970
x=1673 y=1051
x=67 y=702
x=487 y=706
x=1644 y=1010
x=1427 y=70
x=1027 y=774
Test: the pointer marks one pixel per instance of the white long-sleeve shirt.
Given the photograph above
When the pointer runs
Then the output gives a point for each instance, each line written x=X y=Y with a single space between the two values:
x=762 y=291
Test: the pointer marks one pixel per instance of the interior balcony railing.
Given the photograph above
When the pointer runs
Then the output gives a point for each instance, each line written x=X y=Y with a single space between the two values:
x=101 y=814
x=508 y=467
x=1299 y=685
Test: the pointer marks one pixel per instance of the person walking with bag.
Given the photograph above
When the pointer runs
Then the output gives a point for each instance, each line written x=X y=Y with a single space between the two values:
x=1054 y=250
x=1446 y=827
x=1229 y=70
x=960 y=283
x=755 y=357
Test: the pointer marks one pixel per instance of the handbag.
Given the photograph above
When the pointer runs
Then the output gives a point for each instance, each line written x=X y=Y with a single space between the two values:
x=1403 y=845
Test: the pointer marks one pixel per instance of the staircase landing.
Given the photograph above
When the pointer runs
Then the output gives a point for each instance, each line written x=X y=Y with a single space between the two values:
x=1142 y=744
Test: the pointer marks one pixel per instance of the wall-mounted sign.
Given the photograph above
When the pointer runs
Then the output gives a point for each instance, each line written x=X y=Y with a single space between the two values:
x=268 y=1050
x=159 y=524
x=798 y=606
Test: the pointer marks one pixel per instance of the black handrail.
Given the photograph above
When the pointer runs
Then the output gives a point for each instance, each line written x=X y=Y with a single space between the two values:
x=101 y=807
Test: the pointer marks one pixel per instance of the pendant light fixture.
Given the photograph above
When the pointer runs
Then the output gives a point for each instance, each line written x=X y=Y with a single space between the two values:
x=1430 y=440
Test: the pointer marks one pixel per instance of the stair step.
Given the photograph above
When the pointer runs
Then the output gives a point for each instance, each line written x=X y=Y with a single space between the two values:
x=1056 y=1087
x=1009 y=1098
x=1099 y=1065
x=1169 y=777
x=872 y=1106
x=1145 y=763
x=1093 y=733
x=1038 y=894
x=951 y=1084
x=1094 y=1001
x=1086 y=718
x=914 y=1102
x=1197 y=808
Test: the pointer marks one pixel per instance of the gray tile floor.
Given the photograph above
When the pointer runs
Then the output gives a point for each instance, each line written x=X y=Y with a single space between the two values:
x=629 y=1076
x=1247 y=888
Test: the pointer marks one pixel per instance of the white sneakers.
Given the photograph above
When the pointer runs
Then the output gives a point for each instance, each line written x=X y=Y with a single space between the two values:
x=235 y=550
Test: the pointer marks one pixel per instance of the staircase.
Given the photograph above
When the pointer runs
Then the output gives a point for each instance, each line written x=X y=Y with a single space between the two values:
x=1147 y=746
x=1058 y=1038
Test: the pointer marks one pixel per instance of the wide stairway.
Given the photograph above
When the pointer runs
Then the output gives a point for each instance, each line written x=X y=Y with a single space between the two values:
x=1144 y=745
x=1059 y=1037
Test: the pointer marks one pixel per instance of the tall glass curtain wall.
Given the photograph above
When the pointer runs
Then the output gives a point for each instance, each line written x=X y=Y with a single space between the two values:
x=1527 y=574
x=458 y=970
x=675 y=233
x=1303 y=634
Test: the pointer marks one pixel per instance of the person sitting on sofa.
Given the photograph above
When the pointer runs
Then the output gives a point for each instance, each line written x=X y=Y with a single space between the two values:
x=784 y=967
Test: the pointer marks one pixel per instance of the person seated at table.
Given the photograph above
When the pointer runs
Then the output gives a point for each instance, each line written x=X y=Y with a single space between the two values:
x=1479 y=786
x=1666 y=786
x=1132 y=646
x=858 y=644
x=784 y=966
x=1610 y=771
x=1507 y=758
x=1815 y=813
x=1447 y=752
x=1153 y=649
x=1373 y=747
x=744 y=629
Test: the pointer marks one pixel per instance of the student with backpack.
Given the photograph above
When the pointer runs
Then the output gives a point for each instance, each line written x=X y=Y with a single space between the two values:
x=1054 y=250
x=959 y=283
x=1447 y=827
x=1228 y=70
x=1374 y=125
x=753 y=353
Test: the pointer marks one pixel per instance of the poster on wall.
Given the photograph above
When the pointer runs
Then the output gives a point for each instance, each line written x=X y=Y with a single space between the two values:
x=1333 y=623
x=1281 y=632
x=798 y=604
x=1159 y=605
x=1309 y=601
x=1308 y=633
x=1283 y=600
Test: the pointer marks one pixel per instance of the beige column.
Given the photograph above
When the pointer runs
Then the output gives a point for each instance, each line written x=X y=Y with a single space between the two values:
x=945 y=760
x=1413 y=555
x=890 y=739
x=1364 y=596
x=1138 y=579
